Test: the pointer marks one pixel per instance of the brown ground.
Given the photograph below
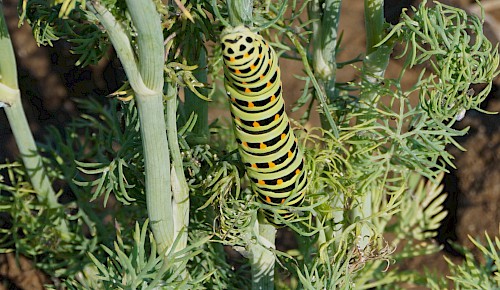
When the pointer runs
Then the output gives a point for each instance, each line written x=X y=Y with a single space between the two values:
x=47 y=75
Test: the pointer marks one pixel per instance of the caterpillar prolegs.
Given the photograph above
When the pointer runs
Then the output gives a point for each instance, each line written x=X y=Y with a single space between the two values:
x=267 y=145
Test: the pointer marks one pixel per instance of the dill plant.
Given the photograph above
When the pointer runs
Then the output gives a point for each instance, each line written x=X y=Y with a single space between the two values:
x=375 y=164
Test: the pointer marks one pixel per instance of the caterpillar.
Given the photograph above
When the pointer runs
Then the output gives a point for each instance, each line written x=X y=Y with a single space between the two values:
x=266 y=142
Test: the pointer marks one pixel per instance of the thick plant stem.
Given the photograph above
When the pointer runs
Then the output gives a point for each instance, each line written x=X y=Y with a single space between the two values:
x=374 y=66
x=325 y=62
x=10 y=96
x=194 y=104
x=157 y=165
x=153 y=130
x=377 y=57
x=240 y=12
x=262 y=258
x=324 y=39
x=150 y=52
x=145 y=74
x=180 y=189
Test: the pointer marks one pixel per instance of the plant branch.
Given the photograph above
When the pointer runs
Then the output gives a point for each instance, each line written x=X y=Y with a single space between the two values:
x=10 y=96
x=121 y=43
x=377 y=57
x=320 y=93
x=146 y=78
x=180 y=189
x=240 y=12
x=262 y=258
x=193 y=104
x=150 y=51
x=324 y=39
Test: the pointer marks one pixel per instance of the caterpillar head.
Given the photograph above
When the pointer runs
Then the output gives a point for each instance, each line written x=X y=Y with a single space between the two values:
x=238 y=44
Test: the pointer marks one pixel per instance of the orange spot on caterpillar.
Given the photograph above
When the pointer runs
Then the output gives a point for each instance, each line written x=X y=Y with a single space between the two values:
x=271 y=164
x=231 y=59
x=290 y=154
x=282 y=201
x=297 y=172
x=251 y=105
x=237 y=71
x=276 y=117
x=268 y=199
x=252 y=67
x=244 y=144
x=273 y=98
x=283 y=136
x=256 y=124
x=262 y=182
x=269 y=84
x=280 y=181
x=262 y=77
x=263 y=146
x=247 y=90
x=246 y=55
x=254 y=165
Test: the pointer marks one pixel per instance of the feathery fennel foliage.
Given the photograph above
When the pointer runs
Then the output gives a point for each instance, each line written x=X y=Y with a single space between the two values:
x=375 y=165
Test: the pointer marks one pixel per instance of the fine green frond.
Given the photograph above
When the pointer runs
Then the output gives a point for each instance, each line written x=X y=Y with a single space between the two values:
x=473 y=274
x=236 y=212
x=457 y=53
x=116 y=166
x=422 y=209
x=68 y=20
x=215 y=212
x=397 y=134
x=182 y=75
x=215 y=180
x=28 y=228
x=141 y=266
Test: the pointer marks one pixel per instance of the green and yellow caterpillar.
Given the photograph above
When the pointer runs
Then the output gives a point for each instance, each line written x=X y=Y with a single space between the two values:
x=267 y=144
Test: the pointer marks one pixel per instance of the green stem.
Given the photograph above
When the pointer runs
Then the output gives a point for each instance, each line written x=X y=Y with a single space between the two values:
x=240 y=12
x=146 y=78
x=364 y=211
x=374 y=66
x=153 y=129
x=194 y=104
x=121 y=43
x=324 y=39
x=180 y=189
x=157 y=169
x=150 y=50
x=262 y=258
x=377 y=58
x=325 y=62
x=319 y=90
x=374 y=24
x=11 y=96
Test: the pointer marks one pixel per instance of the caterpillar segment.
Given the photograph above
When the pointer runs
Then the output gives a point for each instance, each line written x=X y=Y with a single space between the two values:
x=267 y=145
